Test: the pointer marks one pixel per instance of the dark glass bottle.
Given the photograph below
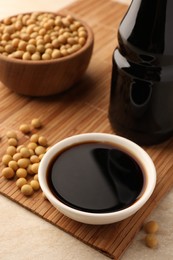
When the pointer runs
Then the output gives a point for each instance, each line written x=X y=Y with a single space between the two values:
x=141 y=99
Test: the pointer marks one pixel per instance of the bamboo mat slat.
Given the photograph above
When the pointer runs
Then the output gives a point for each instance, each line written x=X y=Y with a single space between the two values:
x=83 y=109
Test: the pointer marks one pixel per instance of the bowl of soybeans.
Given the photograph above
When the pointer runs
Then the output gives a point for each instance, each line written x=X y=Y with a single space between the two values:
x=43 y=53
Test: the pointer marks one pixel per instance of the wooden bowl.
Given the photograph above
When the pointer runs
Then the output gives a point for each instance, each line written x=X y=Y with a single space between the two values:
x=43 y=78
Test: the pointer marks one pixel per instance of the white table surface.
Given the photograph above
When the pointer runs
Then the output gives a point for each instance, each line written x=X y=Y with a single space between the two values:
x=25 y=236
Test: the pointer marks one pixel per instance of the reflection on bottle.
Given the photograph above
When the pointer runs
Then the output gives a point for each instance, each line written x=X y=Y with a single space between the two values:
x=140 y=96
x=149 y=28
x=147 y=59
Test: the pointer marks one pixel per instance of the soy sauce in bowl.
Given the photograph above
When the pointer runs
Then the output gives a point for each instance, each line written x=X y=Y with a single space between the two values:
x=95 y=177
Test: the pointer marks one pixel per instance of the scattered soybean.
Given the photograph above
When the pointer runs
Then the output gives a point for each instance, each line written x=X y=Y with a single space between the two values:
x=22 y=161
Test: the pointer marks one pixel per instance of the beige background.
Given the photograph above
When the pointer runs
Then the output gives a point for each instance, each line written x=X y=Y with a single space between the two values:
x=26 y=236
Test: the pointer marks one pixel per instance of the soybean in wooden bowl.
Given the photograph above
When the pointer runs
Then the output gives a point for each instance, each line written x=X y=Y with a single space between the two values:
x=43 y=53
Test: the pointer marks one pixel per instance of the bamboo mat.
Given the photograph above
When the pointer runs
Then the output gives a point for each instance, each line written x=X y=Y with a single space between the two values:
x=79 y=110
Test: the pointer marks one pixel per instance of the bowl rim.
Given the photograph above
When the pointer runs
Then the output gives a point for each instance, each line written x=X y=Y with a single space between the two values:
x=137 y=152
x=89 y=41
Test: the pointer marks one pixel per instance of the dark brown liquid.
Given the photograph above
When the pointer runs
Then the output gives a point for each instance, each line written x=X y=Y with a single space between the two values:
x=141 y=102
x=95 y=177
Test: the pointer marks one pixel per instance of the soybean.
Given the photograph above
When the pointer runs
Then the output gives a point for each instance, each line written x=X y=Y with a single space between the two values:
x=6 y=159
x=8 y=173
x=27 y=190
x=21 y=173
x=11 y=134
x=151 y=227
x=36 y=123
x=20 y=182
x=151 y=241
x=12 y=141
x=24 y=128
x=35 y=184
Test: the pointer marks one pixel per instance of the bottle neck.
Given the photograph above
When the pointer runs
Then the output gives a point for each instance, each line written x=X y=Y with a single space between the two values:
x=148 y=25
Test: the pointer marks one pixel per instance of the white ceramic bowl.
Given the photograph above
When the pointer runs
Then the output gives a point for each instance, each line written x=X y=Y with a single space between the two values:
x=135 y=151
